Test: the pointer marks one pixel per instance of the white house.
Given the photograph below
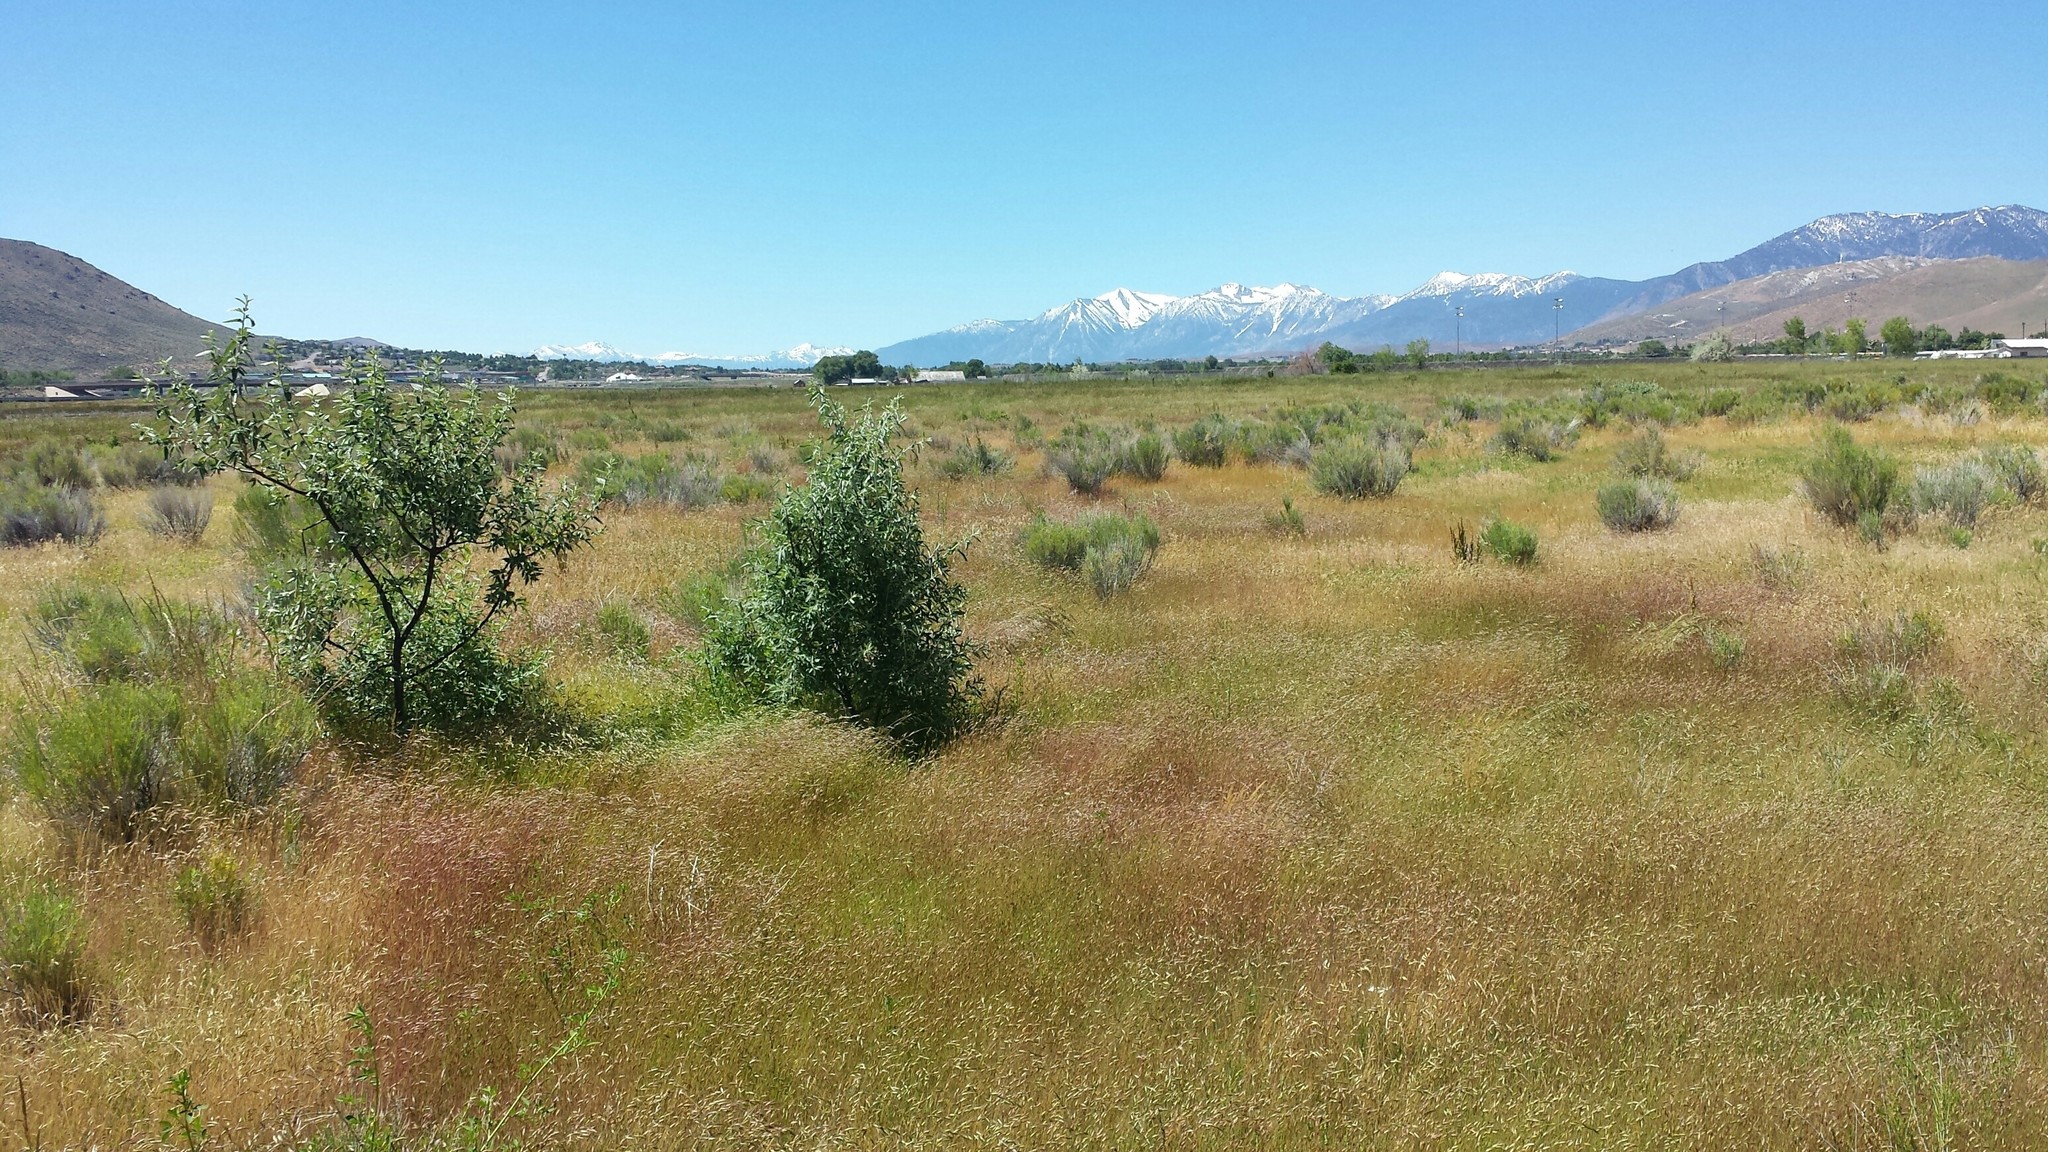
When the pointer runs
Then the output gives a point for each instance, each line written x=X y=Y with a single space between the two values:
x=939 y=375
x=2029 y=348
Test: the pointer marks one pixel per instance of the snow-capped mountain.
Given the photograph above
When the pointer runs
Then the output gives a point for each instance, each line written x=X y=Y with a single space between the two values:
x=596 y=350
x=1498 y=308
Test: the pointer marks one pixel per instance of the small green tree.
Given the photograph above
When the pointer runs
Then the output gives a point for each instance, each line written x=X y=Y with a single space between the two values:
x=1795 y=336
x=1898 y=337
x=1418 y=354
x=845 y=608
x=1855 y=336
x=432 y=541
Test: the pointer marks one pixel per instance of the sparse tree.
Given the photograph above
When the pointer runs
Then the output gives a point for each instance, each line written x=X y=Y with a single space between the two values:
x=1855 y=338
x=1795 y=336
x=1418 y=354
x=432 y=541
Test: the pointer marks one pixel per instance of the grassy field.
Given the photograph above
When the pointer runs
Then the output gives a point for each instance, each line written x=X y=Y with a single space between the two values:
x=1307 y=840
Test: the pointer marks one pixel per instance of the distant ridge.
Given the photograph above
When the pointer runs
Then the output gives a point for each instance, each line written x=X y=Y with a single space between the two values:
x=60 y=313
x=1499 y=309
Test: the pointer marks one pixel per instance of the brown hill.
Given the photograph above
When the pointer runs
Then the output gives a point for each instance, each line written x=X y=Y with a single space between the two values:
x=59 y=312
x=1986 y=293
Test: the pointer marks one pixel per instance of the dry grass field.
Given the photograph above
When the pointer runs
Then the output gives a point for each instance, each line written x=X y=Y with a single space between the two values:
x=1323 y=839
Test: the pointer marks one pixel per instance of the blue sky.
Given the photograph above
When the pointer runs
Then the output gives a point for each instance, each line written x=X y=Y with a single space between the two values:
x=744 y=176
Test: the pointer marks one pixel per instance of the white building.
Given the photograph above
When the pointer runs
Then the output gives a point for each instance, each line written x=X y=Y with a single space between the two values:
x=939 y=375
x=2029 y=348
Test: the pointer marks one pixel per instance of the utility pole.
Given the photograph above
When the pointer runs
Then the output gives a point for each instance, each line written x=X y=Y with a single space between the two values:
x=1461 y=332
x=1557 y=325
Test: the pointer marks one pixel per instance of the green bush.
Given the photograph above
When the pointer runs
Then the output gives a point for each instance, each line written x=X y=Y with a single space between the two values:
x=1144 y=457
x=1637 y=505
x=104 y=636
x=1288 y=521
x=1110 y=550
x=178 y=513
x=101 y=763
x=2005 y=392
x=275 y=527
x=216 y=898
x=1355 y=469
x=845 y=609
x=42 y=948
x=52 y=464
x=1509 y=542
x=1956 y=492
x=1647 y=456
x=32 y=514
x=1848 y=483
x=1204 y=443
x=745 y=488
x=1720 y=402
x=589 y=440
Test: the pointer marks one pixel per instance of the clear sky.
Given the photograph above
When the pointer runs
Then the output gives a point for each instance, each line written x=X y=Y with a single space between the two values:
x=742 y=176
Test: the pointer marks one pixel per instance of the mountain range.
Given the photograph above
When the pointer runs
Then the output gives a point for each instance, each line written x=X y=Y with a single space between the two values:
x=799 y=358
x=1499 y=309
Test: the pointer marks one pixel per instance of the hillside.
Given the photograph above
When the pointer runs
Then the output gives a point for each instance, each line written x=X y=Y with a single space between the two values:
x=59 y=312
x=1984 y=293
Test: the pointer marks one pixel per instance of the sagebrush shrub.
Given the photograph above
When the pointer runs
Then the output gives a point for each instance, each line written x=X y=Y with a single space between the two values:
x=42 y=950
x=845 y=608
x=1847 y=482
x=1355 y=469
x=1085 y=457
x=975 y=457
x=100 y=763
x=1065 y=545
x=1144 y=457
x=1640 y=505
x=1204 y=443
x=1115 y=565
x=178 y=513
x=2016 y=468
x=1646 y=455
x=1523 y=434
x=34 y=513
x=1957 y=492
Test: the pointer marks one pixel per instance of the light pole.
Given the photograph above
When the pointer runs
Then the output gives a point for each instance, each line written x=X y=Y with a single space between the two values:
x=1557 y=325
x=1461 y=333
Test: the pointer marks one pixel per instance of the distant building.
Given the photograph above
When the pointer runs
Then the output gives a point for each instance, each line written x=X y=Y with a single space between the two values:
x=623 y=378
x=940 y=375
x=867 y=380
x=2029 y=348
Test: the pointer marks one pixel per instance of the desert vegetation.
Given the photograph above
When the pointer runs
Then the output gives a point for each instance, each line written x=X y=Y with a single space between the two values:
x=1048 y=764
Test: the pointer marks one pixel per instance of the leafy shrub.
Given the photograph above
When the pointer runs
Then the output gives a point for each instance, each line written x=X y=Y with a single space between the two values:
x=104 y=636
x=1957 y=492
x=1144 y=457
x=1646 y=455
x=589 y=440
x=1523 y=434
x=178 y=513
x=623 y=630
x=274 y=526
x=975 y=458
x=845 y=609
x=215 y=897
x=667 y=432
x=1720 y=402
x=2016 y=469
x=1848 y=483
x=52 y=464
x=745 y=488
x=1111 y=550
x=1353 y=469
x=32 y=514
x=1637 y=505
x=1509 y=542
x=1850 y=406
x=2004 y=391
x=1204 y=443
x=42 y=949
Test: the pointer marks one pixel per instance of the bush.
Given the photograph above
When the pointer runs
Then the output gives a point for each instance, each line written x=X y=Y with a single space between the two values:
x=1956 y=492
x=101 y=763
x=32 y=514
x=215 y=898
x=975 y=458
x=1509 y=542
x=1647 y=456
x=104 y=636
x=1085 y=457
x=1111 y=550
x=273 y=526
x=178 y=513
x=43 y=951
x=2016 y=469
x=1205 y=443
x=1289 y=520
x=1144 y=457
x=1538 y=439
x=51 y=464
x=745 y=488
x=1352 y=469
x=1848 y=483
x=845 y=609
x=1637 y=505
